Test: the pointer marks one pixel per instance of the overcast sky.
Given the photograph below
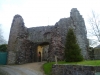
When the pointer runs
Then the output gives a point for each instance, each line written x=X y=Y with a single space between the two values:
x=42 y=12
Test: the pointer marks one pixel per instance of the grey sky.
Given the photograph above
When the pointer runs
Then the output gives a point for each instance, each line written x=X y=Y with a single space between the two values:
x=43 y=12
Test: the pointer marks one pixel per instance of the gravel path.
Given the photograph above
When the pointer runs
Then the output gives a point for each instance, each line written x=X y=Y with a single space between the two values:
x=25 y=69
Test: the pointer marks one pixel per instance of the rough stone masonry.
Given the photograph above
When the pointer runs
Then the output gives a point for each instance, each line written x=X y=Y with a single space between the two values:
x=23 y=41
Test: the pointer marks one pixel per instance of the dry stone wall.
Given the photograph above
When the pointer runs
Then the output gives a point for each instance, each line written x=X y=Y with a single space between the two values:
x=75 y=70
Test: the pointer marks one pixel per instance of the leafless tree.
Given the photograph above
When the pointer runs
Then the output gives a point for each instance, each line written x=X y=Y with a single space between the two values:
x=2 y=40
x=94 y=21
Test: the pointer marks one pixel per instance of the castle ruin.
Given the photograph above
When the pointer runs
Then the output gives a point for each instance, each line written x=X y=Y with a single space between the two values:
x=25 y=43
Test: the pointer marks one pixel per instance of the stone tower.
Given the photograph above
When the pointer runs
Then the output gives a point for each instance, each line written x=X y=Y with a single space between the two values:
x=18 y=33
x=23 y=42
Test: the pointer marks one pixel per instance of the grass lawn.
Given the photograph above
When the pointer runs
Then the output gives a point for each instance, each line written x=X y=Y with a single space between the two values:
x=48 y=66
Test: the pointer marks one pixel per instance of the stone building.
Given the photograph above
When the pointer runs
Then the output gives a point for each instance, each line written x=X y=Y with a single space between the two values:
x=25 y=43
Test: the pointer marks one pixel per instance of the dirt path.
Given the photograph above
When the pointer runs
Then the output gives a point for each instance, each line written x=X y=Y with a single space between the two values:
x=37 y=66
x=25 y=69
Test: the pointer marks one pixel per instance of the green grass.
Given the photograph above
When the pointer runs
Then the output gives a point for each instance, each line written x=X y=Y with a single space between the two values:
x=48 y=66
x=88 y=62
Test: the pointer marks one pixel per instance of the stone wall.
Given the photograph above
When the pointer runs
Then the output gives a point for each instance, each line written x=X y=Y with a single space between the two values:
x=75 y=70
x=56 y=35
x=18 y=33
x=26 y=52
x=40 y=34
x=21 y=39
x=78 y=25
x=45 y=52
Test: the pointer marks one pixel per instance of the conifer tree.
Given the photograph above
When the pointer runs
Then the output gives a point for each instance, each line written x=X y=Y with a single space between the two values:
x=72 y=49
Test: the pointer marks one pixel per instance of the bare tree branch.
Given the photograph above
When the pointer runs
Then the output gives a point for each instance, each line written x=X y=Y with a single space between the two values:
x=2 y=40
x=95 y=23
